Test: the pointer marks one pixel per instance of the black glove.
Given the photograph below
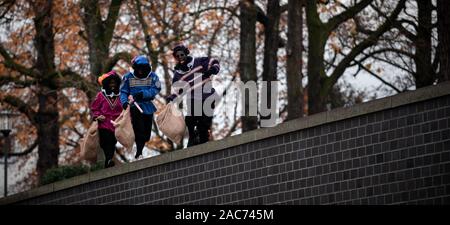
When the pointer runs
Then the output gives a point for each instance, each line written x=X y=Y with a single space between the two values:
x=138 y=96
x=125 y=106
x=208 y=73
x=170 y=98
x=212 y=70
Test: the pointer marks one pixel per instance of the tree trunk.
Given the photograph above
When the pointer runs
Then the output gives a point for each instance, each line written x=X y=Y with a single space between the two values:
x=247 y=58
x=424 y=74
x=98 y=49
x=294 y=59
x=443 y=9
x=271 y=41
x=316 y=70
x=47 y=116
x=99 y=35
x=48 y=131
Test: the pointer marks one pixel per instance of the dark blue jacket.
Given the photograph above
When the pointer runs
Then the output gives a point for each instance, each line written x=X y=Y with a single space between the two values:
x=195 y=73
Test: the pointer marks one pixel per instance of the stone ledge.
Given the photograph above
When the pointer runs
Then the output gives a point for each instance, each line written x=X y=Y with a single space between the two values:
x=259 y=134
x=421 y=94
x=73 y=181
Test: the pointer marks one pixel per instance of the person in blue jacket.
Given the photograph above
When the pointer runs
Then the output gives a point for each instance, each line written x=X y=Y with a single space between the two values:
x=141 y=86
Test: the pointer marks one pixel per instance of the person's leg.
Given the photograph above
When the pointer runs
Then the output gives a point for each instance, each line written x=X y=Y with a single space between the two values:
x=113 y=142
x=189 y=119
x=137 y=120
x=147 y=122
x=190 y=123
x=203 y=128
x=108 y=144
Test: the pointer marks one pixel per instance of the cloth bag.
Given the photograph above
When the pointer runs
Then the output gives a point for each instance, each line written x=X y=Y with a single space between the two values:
x=90 y=143
x=124 y=129
x=170 y=122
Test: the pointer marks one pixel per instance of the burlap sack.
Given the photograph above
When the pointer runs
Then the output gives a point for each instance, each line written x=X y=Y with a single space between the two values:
x=124 y=129
x=171 y=123
x=90 y=143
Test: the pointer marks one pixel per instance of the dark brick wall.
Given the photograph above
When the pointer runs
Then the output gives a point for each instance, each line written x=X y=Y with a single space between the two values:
x=396 y=156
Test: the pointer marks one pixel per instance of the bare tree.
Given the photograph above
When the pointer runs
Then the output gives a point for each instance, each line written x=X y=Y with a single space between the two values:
x=294 y=59
x=271 y=43
x=319 y=83
x=247 y=57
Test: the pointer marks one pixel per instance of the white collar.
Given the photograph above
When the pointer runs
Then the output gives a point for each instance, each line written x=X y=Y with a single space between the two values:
x=132 y=73
x=110 y=95
x=191 y=63
x=189 y=66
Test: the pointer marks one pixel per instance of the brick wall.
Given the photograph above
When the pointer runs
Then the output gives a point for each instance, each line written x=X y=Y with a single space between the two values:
x=394 y=156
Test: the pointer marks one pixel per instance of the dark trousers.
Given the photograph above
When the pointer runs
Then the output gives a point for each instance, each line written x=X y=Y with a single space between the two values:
x=142 y=127
x=198 y=126
x=107 y=143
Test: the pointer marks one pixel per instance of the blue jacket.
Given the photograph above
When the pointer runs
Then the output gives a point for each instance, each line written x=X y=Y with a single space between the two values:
x=150 y=86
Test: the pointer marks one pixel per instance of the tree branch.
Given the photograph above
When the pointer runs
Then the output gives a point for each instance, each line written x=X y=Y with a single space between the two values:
x=284 y=8
x=404 y=31
x=372 y=39
x=111 y=62
x=5 y=6
x=334 y=22
x=383 y=50
x=148 y=42
x=408 y=22
x=68 y=79
x=378 y=77
x=263 y=19
x=232 y=11
x=392 y=64
x=27 y=151
x=360 y=28
x=9 y=63
x=312 y=16
x=21 y=106
x=5 y=79
x=110 y=22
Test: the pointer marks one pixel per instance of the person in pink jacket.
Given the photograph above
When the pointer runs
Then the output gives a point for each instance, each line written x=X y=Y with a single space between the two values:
x=104 y=108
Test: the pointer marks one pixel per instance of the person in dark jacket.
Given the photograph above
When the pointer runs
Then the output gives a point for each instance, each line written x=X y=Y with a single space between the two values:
x=195 y=73
x=140 y=86
x=104 y=108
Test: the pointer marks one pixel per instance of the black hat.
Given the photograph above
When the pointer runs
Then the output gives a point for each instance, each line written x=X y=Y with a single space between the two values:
x=180 y=48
